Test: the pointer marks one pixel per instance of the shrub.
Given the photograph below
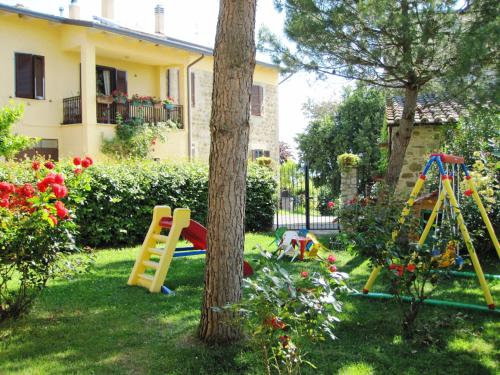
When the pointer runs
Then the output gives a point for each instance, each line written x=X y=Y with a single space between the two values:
x=118 y=208
x=37 y=213
x=280 y=310
x=11 y=144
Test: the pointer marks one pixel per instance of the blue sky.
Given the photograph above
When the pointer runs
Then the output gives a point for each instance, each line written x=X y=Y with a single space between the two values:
x=196 y=21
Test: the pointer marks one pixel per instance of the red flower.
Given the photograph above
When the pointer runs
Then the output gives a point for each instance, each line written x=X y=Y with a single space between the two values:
x=85 y=163
x=49 y=165
x=410 y=267
x=304 y=274
x=27 y=190
x=284 y=340
x=78 y=170
x=42 y=186
x=392 y=266
x=277 y=323
x=60 y=191
x=89 y=160
x=400 y=270
x=6 y=187
x=331 y=204
x=468 y=192
x=59 y=179
x=49 y=179
x=54 y=219
x=4 y=202
x=332 y=258
x=35 y=165
x=333 y=268
x=63 y=213
x=77 y=160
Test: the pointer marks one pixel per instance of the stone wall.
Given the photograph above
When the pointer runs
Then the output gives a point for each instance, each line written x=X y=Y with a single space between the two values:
x=424 y=140
x=348 y=185
x=264 y=131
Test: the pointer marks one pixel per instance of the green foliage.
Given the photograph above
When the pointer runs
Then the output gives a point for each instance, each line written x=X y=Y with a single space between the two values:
x=135 y=138
x=280 y=310
x=348 y=161
x=11 y=144
x=119 y=207
x=353 y=126
x=37 y=233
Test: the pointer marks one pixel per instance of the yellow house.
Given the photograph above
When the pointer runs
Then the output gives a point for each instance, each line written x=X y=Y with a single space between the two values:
x=63 y=70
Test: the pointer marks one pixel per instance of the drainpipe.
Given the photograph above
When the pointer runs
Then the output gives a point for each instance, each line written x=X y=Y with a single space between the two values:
x=189 y=103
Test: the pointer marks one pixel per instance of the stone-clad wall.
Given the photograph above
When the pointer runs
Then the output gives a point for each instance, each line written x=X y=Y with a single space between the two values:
x=263 y=129
x=424 y=140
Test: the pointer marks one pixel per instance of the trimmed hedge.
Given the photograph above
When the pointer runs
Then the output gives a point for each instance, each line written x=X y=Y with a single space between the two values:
x=118 y=208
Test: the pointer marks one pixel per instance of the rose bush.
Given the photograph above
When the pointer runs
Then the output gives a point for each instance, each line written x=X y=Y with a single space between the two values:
x=37 y=231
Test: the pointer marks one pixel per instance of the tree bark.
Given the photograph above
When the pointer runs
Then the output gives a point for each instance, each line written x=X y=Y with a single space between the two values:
x=234 y=63
x=401 y=137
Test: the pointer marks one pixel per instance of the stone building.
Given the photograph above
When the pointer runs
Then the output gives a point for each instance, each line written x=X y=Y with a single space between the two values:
x=431 y=117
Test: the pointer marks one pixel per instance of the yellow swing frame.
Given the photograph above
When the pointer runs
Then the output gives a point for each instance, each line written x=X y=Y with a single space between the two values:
x=447 y=191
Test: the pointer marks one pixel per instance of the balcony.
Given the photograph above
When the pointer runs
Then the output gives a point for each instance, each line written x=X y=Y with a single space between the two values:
x=107 y=113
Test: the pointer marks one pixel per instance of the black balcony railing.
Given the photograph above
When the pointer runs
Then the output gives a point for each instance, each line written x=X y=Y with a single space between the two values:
x=107 y=113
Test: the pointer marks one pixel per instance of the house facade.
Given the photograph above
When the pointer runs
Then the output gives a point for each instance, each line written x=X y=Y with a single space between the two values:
x=431 y=117
x=61 y=68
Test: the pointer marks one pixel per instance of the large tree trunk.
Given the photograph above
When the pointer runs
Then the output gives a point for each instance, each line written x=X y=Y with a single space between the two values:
x=234 y=63
x=401 y=138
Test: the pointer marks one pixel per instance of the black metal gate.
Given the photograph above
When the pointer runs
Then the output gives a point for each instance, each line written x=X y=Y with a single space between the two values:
x=301 y=204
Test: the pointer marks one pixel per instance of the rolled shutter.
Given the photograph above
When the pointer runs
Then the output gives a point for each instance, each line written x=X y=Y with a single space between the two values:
x=24 y=75
x=121 y=81
x=256 y=100
x=267 y=154
x=39 y=77
x=193 y=92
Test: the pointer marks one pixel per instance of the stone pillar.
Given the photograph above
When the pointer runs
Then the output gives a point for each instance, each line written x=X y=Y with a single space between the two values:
x=88 y=97
x=348 y=184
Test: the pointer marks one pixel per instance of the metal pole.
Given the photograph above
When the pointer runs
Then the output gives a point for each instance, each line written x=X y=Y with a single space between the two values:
x=308 y=212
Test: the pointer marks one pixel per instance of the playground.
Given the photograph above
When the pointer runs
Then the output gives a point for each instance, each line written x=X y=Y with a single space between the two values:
x=97 y=324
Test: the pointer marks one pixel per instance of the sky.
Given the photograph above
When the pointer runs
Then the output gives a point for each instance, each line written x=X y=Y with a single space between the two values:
x=195 y=21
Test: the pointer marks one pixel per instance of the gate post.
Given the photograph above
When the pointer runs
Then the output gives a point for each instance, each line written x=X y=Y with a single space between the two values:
x=348 y=165
x=307 y=193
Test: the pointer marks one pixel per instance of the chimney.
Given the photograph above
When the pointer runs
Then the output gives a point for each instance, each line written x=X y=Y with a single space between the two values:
x=108 y=9
x=159 y=19
x=61 y=11
x=74 y=10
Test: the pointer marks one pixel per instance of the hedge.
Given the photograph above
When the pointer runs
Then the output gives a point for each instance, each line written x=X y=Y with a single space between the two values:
x=118 y=208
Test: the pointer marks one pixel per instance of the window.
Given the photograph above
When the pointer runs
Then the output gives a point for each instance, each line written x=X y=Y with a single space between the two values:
x=48 y=148
x=256 y=100
x=260 y=153
x=30 y=76
x=110 y=79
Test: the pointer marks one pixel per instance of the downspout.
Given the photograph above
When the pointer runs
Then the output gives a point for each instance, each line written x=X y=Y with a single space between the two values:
x=189 y=104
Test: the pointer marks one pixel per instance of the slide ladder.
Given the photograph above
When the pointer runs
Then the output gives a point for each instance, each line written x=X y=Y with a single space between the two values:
x=154 y=282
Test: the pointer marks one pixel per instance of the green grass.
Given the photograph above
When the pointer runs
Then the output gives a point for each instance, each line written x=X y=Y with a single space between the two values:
x=96 y=324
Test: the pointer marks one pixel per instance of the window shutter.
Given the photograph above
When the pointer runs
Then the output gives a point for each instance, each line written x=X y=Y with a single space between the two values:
x=256 y=100
x=267 y=154
x=24 y=75
x=121 y=81
x=173 y=84
x=193 y=91
x=39 y=77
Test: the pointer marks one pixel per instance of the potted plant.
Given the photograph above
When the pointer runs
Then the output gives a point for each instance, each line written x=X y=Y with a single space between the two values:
x=104 y=99
x=120 y=97
x=157 y=103
x=169 y=103
x=136 y=100
x=147 y=100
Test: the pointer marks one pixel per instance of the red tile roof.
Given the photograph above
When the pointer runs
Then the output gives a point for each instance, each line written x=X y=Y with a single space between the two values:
x=430 y=110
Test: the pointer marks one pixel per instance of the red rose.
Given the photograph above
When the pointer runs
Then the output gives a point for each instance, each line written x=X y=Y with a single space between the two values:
x=59 y=179
x=89 y=159
x=49 y=179
x=332 y=258
x=4 y=202
x=6 y=187
x=333 y=268
x=468 y=192
x=78 y=171
x=59 y=205
x=35 y=165
x=304 y=274
x=85 y=163
x=63 y=213
x=277 y=323
x=331 y=204
x=77 y=160
x=54 y=219
x=410 y=267
x=27 y=190
x=42 y=186
x=49 y=165
x=60 y=191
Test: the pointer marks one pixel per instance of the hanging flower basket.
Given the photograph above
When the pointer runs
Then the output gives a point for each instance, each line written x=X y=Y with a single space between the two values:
x=169 y=103
x=169 y=106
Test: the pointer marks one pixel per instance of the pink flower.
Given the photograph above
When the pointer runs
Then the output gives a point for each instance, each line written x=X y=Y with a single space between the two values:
x=304 y=274
x=331 y=204
x=333 y=268
x=332 y=258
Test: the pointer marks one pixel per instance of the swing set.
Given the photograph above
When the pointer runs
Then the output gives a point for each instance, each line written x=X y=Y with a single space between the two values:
x=447 y=205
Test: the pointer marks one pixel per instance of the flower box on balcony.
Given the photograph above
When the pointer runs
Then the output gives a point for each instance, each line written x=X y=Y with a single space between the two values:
x=105 y=99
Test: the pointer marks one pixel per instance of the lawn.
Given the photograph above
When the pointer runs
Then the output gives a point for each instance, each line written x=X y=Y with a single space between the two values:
x=96 y=324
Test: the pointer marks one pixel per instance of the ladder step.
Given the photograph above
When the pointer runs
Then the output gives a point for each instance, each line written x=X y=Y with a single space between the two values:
x=146 y=277
x=144 y=280
x=151 y=264
x=156 y=250
x=160 y=237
